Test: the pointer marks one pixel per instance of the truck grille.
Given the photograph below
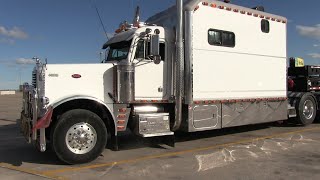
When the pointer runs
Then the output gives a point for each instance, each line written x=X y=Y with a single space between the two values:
x=34 y=79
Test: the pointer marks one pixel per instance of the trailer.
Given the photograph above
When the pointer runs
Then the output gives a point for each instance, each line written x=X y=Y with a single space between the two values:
x=197 y=66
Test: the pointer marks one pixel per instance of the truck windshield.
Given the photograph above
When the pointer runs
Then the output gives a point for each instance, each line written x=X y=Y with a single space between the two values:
x=119 y=51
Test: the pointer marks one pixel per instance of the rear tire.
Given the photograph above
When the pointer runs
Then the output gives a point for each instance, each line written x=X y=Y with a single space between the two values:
x=79 y=136
x=306 y=110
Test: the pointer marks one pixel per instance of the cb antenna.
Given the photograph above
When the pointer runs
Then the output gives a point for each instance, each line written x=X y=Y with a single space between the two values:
x=136 y=19
x=104 y=29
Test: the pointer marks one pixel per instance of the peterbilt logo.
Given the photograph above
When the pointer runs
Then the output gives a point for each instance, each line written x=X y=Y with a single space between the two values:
x=53 y=75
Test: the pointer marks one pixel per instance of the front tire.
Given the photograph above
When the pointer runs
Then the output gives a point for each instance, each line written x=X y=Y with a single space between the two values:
x=306 y=110
x=79 y=136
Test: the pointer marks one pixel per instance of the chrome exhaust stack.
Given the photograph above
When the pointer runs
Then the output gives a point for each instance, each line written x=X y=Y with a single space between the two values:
x=179 y=66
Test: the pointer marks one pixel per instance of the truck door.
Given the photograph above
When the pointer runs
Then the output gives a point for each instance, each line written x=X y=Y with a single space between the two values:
x=148 y=75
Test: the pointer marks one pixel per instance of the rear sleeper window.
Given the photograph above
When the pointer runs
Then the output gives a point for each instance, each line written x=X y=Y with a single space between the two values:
x=221 y=38
x=265 y=26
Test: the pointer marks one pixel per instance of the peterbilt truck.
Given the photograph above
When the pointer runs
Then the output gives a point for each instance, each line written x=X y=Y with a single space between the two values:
x=197 y=66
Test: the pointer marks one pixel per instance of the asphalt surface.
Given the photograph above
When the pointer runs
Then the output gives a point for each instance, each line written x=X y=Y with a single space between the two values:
x=267 y=151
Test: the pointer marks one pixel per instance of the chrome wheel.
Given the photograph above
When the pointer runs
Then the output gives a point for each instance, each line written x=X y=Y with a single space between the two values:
x=81 y=138
x=308 y=109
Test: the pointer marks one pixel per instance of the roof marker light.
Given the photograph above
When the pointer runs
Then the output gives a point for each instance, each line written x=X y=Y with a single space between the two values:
x=196 y=8
x=228 y=9
x=235 y=10
x=255 y=15
x=242 y=12
x=249 y=13
x=221 y=7
x=261 y=16
x=205 y=3
x=273 y=19
x=213 y=5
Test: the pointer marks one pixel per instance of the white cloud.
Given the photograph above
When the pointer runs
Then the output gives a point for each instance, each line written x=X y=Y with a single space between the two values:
x=314 y=55
x=24 y=61
x=316 y=45
x=309 y=31
x=15 y=33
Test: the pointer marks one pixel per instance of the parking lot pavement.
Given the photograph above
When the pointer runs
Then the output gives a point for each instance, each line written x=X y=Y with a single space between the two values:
x=267 y=151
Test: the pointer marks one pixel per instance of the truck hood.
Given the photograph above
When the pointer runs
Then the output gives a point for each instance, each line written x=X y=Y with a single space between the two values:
x=69 y=80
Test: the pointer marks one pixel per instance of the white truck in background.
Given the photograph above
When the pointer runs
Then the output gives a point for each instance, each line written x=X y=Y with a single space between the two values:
x=200 y=65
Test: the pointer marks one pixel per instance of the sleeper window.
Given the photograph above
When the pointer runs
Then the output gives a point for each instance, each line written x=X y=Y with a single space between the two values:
x=215 y=38
x=228 y=39
x=265 y=26
x=221 y=38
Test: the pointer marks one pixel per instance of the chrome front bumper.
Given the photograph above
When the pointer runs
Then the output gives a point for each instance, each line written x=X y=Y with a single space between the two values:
x=25 y=126
x=35 y=117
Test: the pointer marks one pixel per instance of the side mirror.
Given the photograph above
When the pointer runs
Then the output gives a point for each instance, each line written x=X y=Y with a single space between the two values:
x=155 y=45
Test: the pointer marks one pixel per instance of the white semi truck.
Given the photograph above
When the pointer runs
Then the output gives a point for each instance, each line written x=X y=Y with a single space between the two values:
x=200 y=65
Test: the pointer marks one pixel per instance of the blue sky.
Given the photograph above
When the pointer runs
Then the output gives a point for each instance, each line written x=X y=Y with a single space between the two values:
x=68 y=31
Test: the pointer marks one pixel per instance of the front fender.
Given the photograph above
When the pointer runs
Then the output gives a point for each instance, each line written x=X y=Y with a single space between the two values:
x=108 y=107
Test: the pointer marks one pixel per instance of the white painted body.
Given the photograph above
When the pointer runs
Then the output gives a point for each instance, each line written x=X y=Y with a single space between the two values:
x=97 y=79
x=95 y=82
x=149 y=77
x=254 y=68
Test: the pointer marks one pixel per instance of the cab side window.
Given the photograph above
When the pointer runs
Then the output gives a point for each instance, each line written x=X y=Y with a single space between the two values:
x=140 y=52
x=143 y=49
x=162 y=51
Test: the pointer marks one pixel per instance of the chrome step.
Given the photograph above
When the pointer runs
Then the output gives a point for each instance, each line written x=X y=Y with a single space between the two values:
x=153 y=125
x=292 y=111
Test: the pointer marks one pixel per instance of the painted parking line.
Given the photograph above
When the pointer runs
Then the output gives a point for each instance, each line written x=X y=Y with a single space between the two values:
x=30 y=171
x=108 y=164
